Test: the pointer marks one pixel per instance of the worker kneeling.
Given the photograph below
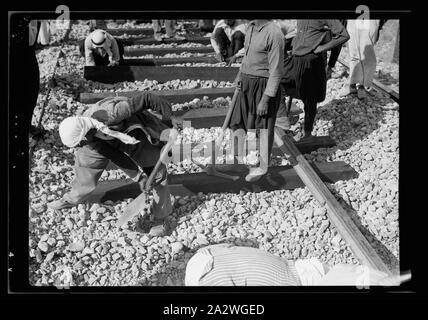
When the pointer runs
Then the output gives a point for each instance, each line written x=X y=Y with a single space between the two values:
x=228 y=265
x=124 y=131
x=101 y=49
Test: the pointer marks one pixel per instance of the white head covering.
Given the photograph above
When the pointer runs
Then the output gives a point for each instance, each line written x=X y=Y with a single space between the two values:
x=73 y=129
x=98 y=38
x=198 y=266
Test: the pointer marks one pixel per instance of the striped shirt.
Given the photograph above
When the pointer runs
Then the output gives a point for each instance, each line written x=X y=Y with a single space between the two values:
x=226 y=265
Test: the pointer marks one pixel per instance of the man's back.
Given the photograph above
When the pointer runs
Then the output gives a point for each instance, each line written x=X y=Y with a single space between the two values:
x=243 y=266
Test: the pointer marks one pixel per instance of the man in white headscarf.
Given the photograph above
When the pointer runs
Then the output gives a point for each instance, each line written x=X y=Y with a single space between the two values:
x=100 y=48
x=121 y=130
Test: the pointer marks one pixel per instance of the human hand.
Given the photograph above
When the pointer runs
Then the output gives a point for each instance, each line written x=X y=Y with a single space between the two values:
x=231 y=60
x=219 y=57
x=262 y=107
x=142 y=182
x=113 y=63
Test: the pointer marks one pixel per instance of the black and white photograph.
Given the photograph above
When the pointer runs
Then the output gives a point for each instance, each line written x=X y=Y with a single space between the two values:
x=225 y=152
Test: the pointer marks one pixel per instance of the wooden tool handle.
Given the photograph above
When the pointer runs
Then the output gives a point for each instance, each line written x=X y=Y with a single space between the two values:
x=172 y=136
x=231 y=106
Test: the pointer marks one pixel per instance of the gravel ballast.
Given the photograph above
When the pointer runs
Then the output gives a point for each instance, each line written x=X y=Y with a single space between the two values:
x=83 y=241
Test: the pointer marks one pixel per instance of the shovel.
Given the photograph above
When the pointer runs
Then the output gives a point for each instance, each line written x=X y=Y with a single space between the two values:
x=135 y=206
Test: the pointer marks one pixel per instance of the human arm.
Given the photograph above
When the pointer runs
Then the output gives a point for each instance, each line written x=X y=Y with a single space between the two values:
x=339 y=36
x=89 y=57
x=115 y=50
x=275 y=52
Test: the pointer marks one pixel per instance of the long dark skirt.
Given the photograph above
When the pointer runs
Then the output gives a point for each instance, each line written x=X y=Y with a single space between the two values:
x=244 y=114
x=305 y=77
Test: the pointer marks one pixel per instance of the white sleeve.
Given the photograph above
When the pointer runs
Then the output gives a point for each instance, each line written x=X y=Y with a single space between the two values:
x=89 y=57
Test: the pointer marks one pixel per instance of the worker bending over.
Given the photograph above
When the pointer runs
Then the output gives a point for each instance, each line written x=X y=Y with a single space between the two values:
x=101 y=49
x=305 y=70
x=124 y=131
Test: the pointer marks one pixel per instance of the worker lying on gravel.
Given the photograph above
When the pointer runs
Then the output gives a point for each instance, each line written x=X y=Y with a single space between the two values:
x=260 y=74
x=229 y=265
x=228 y=38
x=107 y=131
x=305 y=70
x=101 y=49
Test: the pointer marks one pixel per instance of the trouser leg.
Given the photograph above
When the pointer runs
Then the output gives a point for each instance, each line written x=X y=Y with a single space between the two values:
x=282 y=116
x=237 y=42
x=44 y=33
x=282 y=109
x=121 y=50
x=310 y=113
x=157 y=28
x=270 y=125
x=355 y=63
x=222 y=41
x=88 y=168
x=82 y=47
x=170 y=28
x=334 y=55
x=368 y=40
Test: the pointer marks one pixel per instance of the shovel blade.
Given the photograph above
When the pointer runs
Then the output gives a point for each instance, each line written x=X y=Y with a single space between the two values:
x=132 y=209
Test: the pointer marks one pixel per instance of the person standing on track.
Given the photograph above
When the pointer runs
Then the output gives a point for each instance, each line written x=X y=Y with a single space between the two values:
x=334 y=55
x=101 y=49
x=288 y=28
x=107 y=132
x=260 y=73
x=228 y=38
x=364 y=35
x=305 y=71
x=169 y=28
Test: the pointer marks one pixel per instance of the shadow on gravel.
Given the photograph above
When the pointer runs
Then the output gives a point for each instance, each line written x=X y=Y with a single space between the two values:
x=347 y=126
x=386 y=78
x=172 y=270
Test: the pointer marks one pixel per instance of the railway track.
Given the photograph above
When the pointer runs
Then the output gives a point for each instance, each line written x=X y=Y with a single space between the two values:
x=299 y=174
x=338 y=216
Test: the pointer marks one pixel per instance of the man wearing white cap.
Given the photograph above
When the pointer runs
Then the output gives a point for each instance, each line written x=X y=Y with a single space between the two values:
x=229 y=265
x=121 y=130
x=101 y=49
